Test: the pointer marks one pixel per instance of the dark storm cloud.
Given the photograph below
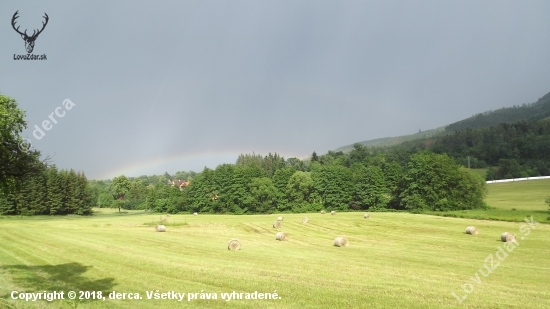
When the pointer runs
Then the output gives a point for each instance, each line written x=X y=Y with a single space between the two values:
x=156 y=78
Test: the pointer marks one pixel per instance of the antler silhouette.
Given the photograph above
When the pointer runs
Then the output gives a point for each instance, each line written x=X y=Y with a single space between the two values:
x=43 y=25
x=13 y=24
x=29 y=40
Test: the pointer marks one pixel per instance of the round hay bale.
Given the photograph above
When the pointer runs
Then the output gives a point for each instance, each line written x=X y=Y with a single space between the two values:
x=333 y=212
x=276 y=224
x=194 y=214
x=471 y=230
x=508 y=237
x=341 y=242
x=322 y=212
x=281 y=236
x=305 y=220
x=160 y=228
x=279 y=218
x=366 y=216
x=234 y=245
x=164 y=220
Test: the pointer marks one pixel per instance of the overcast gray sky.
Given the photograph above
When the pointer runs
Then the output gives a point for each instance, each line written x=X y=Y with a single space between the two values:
x=178 y=85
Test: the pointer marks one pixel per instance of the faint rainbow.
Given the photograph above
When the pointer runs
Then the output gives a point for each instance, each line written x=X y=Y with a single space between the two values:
x=180 y=162
x=140 y=168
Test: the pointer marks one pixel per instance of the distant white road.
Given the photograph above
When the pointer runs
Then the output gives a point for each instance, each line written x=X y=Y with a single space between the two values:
x=518 y=179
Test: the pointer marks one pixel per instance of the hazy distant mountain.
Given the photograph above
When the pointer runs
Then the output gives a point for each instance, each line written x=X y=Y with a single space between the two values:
x=528 y=112
x=390 y=141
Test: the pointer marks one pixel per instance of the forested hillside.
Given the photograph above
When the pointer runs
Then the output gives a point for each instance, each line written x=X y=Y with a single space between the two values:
x=526 y=112
x=520 y=149
x=392 y=141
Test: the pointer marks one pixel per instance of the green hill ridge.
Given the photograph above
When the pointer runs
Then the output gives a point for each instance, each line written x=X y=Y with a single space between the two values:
x=527 y=111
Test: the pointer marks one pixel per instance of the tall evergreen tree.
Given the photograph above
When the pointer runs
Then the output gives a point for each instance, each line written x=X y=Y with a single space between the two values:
x=7 y=203
x=314 y=157
x=85 y=195
x=38 y=192
x=54 y=186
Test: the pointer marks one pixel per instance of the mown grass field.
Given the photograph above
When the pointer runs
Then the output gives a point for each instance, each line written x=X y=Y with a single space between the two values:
x=512 y=201
x=394 y=260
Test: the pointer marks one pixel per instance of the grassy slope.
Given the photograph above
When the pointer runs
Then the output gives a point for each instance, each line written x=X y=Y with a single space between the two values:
x=512 y=201
x=524 y=195
x=394 y=260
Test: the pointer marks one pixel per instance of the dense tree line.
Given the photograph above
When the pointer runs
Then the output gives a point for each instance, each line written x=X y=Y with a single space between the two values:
x=359 y=180
x=49 y=192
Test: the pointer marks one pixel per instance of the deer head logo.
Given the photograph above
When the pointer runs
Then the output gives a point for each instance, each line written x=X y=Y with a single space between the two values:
x=29 y=40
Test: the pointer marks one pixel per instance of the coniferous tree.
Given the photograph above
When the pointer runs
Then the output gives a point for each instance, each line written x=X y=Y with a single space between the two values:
x=85 y=195
x=23 y=197
x=7 y=203
x=314 y=157
x=70 y=201
x=222 y=179
x=54 y=185
x=39 y=192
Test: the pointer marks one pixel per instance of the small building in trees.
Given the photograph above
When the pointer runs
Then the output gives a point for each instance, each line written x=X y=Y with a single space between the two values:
x=180 y=183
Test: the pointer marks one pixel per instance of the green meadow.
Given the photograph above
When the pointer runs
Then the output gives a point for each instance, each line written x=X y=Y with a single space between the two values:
x=512 y=201
x=394 y=260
